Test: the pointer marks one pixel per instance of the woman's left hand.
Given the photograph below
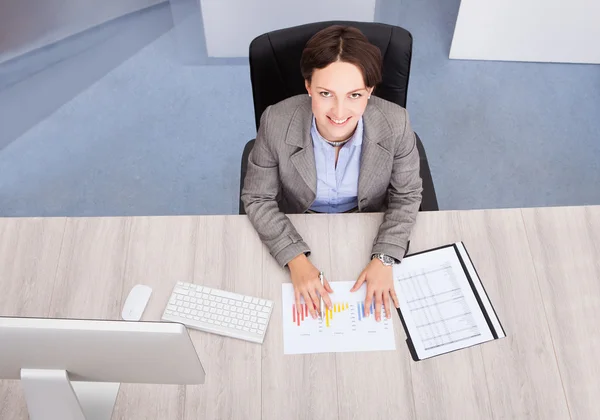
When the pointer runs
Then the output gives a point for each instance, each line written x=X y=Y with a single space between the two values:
x=380 y=286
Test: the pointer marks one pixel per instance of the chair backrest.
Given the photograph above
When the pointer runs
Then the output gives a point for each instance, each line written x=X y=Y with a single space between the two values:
x=275 y=62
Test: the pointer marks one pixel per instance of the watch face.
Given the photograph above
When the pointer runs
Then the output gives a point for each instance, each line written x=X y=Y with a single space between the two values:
x=385 y=259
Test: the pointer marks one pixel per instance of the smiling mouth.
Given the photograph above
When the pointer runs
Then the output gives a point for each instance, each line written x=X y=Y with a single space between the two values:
x=338 y=122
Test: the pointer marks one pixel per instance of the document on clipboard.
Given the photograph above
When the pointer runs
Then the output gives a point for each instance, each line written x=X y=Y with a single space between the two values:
x=443 y=304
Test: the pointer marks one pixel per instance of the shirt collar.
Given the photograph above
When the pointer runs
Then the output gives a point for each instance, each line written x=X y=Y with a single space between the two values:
x=355 y=140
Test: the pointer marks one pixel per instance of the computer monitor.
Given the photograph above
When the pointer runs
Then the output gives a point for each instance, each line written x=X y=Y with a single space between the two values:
x=72 y=369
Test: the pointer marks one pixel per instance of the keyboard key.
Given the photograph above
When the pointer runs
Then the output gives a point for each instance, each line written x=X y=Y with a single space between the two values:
x=255 y=301
x=269 y=304
x=265 y=309
x=247 y=299
x=263 y=315
x=228 y=295
x=262 y=302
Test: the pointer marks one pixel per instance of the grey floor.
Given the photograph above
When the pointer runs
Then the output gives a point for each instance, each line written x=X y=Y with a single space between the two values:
x=120 y=121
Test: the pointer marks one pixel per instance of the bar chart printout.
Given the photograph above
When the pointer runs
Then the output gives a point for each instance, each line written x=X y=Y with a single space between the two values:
x=343 y=328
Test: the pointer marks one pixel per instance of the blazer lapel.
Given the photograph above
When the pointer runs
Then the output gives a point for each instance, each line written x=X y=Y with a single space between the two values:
x=299 y=135
x=374 y=155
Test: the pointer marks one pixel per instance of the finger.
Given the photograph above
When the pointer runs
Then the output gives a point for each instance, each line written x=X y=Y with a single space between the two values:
x=328 y=287
x=359 y=282
x=386 y=305
x=394 y=298
x=323 y=293
x=368 y=301
x=307 y=300
x=378 y=302
x=314 y=299
x=297 y=298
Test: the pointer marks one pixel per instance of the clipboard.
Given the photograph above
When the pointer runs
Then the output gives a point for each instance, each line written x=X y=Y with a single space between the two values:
x=434 y=296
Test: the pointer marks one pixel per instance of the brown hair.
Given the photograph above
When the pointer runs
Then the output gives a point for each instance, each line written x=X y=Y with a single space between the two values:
x=342 y=43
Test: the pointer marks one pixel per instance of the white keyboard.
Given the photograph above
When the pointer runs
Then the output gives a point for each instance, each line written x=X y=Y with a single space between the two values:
x=219 y=312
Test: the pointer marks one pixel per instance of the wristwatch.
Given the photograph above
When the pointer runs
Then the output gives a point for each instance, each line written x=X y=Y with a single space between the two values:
x=385 y=259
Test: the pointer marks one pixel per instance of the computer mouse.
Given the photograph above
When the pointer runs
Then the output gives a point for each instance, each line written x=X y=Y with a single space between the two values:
x=136 y=302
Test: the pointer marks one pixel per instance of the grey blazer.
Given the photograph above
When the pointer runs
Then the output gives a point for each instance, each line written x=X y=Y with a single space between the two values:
x=282 y=175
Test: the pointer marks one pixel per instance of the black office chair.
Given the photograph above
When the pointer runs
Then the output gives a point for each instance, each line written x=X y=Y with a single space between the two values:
x=275 y=76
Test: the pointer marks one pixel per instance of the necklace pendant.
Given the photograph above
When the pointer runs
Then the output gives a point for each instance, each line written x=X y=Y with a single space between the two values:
x=337 y=143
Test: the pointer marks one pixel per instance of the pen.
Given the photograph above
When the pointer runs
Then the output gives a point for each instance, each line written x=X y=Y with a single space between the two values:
x=321 y=297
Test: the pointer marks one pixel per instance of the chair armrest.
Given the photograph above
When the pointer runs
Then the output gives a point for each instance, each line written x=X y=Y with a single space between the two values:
x=245 y=155
x=429 y=202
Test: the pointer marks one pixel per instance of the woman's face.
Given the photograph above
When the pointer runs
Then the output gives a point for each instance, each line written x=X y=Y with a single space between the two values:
x=339 y=98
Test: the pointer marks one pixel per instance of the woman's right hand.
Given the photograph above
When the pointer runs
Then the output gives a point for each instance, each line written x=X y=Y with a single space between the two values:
x=305 y=278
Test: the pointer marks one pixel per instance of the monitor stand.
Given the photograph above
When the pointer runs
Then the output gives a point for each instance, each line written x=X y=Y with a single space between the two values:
x=50 y=394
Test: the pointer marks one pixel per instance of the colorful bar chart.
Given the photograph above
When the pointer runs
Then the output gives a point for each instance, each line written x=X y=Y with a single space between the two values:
x=342 y=328
x=298 y=316
x=360 y=306
x=337 y=308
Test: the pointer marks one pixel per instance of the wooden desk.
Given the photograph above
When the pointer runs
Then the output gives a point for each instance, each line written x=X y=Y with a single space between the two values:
x=540 y=267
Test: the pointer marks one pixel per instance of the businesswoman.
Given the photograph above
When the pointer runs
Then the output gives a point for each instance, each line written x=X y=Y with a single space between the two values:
x=337 y=149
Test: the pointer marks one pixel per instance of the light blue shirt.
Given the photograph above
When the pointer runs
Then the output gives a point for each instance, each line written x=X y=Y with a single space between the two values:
x=337 y=187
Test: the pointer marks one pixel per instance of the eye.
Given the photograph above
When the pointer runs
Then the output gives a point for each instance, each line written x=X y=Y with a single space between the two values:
x=355 y=95
x=325 y=94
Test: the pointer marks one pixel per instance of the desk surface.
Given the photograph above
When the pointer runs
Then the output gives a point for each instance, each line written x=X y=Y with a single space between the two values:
x=540 y=267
